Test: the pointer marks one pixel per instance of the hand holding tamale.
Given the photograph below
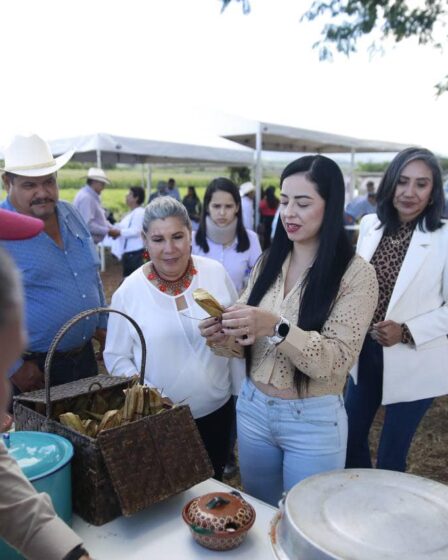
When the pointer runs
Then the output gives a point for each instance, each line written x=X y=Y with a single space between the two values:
x=208 y=303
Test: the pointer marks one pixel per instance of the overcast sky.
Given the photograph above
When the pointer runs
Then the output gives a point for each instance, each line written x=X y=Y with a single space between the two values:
x=170 y=69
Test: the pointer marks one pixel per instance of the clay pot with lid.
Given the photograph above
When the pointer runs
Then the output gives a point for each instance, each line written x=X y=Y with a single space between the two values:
x=219 y=520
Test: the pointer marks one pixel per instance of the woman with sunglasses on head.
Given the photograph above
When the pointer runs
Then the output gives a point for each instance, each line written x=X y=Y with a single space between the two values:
x=302 y=321
x=403 y=363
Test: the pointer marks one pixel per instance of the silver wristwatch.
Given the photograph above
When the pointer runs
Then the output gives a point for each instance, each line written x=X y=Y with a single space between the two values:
x=281 y=331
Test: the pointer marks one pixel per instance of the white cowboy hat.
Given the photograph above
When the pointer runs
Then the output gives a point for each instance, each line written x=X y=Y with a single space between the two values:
x=246 y=188
x=30 y=156
x=97 y=174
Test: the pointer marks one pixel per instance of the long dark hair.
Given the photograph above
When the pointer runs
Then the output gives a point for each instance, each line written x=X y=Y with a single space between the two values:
x=430 y=218
x=321 y=284
x=225 y=185
x=271 y=200
x=192 y=192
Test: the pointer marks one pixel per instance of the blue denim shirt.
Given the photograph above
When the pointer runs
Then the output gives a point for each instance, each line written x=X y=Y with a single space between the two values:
x=58 y=282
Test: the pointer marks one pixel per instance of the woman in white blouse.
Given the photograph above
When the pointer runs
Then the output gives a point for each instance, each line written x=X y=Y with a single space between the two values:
x=129 y=246
x=302 y=321
x=221 y=234
x=159 y=296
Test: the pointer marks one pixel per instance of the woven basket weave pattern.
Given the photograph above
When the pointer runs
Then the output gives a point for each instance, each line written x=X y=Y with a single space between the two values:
x=127 y=468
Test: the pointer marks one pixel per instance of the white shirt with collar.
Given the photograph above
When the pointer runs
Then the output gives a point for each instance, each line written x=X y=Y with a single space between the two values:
x=131 y=227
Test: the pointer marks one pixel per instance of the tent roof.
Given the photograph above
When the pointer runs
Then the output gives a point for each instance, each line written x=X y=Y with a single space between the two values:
x=280 y=138
x=121 y=149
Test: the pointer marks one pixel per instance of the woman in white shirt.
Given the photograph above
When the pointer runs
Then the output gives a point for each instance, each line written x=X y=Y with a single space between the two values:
x=221 y=234
x=159 y=296
x=130 y=243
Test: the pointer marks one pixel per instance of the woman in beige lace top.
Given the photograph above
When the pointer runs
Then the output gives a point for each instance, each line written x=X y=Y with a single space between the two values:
x=301 y=322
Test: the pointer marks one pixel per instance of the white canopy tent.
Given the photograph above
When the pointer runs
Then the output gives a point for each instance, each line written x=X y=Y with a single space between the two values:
x=108 y=148
x=263 y=136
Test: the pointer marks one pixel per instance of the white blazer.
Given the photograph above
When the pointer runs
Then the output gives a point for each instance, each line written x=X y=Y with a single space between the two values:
x=419 y=299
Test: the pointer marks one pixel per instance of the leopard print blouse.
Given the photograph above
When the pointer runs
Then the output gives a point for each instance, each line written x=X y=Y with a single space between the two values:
x=387 y=261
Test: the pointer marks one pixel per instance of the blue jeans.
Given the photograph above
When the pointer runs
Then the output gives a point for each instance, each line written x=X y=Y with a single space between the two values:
x=362 y=402
x=281 y=442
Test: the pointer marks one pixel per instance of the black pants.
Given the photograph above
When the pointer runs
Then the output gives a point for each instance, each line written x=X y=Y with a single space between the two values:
x=215 y=429
x=401 y=420
x=131 y=261
x=66 y=367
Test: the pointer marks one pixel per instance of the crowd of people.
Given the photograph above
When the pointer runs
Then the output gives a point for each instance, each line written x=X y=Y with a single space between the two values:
x=314 y=337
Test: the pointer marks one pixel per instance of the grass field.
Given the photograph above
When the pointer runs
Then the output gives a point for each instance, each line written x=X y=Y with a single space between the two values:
x=113 y=196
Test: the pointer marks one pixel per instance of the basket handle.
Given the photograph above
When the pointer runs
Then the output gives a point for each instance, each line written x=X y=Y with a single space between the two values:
x=63 y=330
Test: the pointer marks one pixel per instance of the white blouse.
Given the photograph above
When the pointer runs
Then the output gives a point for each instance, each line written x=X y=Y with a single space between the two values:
x=178 y=361
x=238 y=265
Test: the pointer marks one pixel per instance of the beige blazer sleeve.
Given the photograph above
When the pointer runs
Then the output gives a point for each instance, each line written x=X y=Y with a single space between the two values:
x=28 y=521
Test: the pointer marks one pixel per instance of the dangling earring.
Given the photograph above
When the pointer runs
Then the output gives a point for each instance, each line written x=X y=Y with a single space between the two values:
x=146 y=256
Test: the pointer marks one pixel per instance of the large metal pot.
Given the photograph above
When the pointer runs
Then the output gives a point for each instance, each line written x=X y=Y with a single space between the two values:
x=45 y=460
x=363 y=514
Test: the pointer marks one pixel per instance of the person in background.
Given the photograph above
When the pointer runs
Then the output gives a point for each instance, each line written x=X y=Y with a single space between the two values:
x=162 y=190
x=60 y=269
x=193 y=205
x=88 y=203
x=221 y=234
x=363 y=205
x=267 y=208
x=130 y=244
x=159 y=296
x=28 y=521
x=172 y=189
x=403 y=362
x=247 y=193
x=302 y=321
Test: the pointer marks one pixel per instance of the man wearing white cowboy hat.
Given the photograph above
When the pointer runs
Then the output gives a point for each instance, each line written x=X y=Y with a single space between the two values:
x=28 y=521
x=60 y=268
x=88 y=203
x=247 y=193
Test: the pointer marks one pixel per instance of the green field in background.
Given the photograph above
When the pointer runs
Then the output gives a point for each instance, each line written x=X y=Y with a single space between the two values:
x=113 y=196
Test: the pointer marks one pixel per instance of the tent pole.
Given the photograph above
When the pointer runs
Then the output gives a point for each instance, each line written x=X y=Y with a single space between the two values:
x=98 y=158
x=143 y=181
x=258 y=172
x=148 y=182
x=351 y=190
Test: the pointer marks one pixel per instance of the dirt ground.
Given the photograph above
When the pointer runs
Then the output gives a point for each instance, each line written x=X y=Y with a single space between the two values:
x=429 y=452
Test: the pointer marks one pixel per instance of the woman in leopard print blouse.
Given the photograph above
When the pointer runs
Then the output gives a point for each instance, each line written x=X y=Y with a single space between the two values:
x=403 y=362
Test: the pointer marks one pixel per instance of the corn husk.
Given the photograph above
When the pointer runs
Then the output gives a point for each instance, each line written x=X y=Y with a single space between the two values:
x=208 y=303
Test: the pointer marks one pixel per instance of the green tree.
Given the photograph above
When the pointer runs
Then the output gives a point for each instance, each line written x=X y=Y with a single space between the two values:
x=353 y=19
x=398 y=19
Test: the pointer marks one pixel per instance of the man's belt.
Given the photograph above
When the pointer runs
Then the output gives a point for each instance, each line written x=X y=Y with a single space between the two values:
x=29 y=355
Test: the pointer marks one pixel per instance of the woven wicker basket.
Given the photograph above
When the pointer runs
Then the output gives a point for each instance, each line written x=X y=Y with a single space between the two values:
x=128 y=468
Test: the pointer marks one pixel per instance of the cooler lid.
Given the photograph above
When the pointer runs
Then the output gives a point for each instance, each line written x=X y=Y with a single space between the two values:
x=39 y=454
x=371 y=514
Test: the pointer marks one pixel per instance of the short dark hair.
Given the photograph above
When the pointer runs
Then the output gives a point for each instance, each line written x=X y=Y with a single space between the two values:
x=138 y=193
x=8 y=176
x=430 y=218
x=228 y=186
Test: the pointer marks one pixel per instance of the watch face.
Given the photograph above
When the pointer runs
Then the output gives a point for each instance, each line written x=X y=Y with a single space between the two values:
x=283 y=329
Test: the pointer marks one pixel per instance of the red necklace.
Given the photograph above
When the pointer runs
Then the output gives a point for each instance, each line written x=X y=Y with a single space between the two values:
x=172 y=287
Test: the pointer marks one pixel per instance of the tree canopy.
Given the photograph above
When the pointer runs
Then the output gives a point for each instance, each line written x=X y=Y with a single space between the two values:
x=398 y=19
